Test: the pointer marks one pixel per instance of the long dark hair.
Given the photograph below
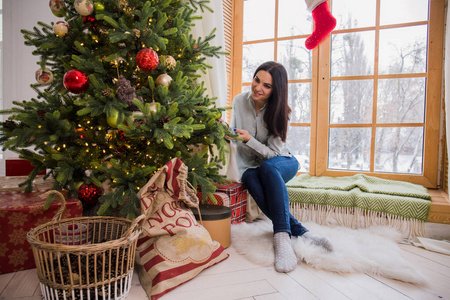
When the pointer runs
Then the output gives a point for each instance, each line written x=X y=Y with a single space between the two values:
x=277 y=111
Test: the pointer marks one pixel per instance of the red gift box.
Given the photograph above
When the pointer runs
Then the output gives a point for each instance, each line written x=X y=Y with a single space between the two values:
x=238 y=200
x=222 y=199
x=19 y=213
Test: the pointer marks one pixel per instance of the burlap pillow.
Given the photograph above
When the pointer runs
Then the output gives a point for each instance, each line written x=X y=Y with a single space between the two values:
x=173 y=247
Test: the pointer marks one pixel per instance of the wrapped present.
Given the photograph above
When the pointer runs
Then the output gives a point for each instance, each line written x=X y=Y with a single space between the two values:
x=222 y=199
x=19 y=167
x=39 y=184
x=238 y=200
x=19 y=213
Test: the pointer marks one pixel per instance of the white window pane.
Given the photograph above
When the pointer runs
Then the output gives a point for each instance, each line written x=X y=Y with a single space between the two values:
x=403 y=11
x=300 y=102
x=349 y=149
x=351 y=102
x=401 y=100
x=353 y=54
x=403 y=50
x=253 y=56
x=299 y=143
x=1 y=22
x=297 y=60
x=399 y=150
x=294 y=18
x=259 y=19
x=245 y=88
x=354 y=13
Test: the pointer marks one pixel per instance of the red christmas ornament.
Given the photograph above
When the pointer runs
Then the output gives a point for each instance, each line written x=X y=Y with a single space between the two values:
x=90 y=19
x=121 y=135
x=89 y=193
x=147 y=59
x=76 y=81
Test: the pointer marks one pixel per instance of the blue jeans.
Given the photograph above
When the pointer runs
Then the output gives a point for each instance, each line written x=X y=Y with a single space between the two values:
x=267 y=185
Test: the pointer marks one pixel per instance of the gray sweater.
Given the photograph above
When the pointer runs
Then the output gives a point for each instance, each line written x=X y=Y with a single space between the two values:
x=261 y=146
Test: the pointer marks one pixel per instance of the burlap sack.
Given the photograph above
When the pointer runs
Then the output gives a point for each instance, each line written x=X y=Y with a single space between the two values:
x=173 y=247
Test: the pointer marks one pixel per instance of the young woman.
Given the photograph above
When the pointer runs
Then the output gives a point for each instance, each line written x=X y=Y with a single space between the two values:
x=260 y=118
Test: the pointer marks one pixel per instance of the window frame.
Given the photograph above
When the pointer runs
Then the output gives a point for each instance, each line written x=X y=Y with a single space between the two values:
x=320 y=94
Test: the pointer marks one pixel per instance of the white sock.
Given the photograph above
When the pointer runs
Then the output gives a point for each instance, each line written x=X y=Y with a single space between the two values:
x=285 y=258
x=318 y=240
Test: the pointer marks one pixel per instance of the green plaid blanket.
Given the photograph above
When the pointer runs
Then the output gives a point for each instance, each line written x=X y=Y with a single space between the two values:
x=395 y=198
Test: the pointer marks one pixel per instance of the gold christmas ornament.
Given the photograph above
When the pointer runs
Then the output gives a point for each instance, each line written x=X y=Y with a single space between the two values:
x=153 y=107
x=169 y=62
x=163 y=80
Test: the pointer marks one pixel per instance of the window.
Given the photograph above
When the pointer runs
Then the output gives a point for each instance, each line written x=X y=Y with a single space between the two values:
x=1 y=77
x=368 y=98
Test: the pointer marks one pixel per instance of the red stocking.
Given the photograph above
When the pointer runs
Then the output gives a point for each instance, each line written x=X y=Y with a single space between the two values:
x=324 y=23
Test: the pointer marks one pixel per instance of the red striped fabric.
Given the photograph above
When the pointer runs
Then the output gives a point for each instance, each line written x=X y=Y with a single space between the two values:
x=173 y=247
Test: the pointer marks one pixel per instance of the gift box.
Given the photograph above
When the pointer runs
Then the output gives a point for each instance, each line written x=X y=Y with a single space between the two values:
x=222 y=199
x=39 y=184
x=19 y=213
x=238 y=200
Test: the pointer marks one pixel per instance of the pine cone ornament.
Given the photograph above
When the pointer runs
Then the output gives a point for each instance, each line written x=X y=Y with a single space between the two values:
x=169 y=24
x=10 y=125
x=161 y=121
x=41 y=114
x=126 y=93
x=139 y=122
x=106 y=93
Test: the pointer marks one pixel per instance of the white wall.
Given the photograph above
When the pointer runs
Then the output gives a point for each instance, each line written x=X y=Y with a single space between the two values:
x=19 y=65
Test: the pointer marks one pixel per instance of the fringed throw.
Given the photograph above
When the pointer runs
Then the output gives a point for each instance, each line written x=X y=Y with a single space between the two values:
x=360 y=201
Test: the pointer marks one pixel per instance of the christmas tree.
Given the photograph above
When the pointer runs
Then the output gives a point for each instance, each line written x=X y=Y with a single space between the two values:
x=118 y=96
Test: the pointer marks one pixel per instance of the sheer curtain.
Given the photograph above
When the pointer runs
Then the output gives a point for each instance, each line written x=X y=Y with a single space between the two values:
x=18 y=63
x=216 y=78
x=447 y=82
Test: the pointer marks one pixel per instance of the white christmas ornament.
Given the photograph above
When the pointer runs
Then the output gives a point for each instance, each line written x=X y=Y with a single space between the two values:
x=44 y=77
x=57 y=7
x=84 y=7
x=61 y=28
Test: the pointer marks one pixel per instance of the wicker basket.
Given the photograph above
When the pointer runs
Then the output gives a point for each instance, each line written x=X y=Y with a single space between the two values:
x=86 y=257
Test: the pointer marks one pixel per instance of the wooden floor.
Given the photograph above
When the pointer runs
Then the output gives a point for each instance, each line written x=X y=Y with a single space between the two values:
x=237 y=278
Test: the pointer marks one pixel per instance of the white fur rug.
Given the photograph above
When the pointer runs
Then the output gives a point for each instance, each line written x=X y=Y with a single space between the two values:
x=373 y=250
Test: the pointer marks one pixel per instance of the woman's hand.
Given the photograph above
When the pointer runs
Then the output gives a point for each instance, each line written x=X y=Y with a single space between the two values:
x=244 y=135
